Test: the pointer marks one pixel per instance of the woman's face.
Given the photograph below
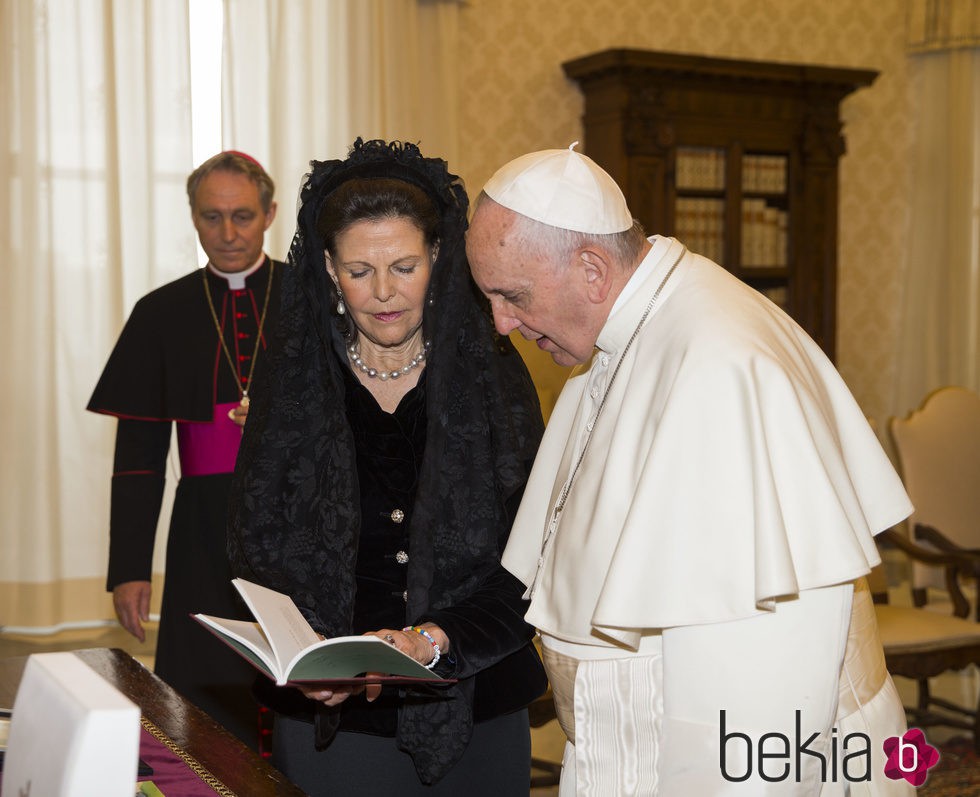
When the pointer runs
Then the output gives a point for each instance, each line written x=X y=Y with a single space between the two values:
x=383 y=269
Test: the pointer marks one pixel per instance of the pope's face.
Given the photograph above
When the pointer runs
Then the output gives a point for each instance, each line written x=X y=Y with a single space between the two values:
x=383 y=269
x=531 y=293
x=230 y=221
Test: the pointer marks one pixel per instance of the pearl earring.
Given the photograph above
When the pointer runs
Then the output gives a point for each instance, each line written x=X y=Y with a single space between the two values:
x=341 y=307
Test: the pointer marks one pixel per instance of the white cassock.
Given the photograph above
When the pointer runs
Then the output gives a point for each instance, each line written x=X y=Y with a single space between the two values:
x=710 y=552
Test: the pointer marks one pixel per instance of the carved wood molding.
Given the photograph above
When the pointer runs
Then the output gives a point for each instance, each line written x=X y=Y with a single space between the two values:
x=629 y=65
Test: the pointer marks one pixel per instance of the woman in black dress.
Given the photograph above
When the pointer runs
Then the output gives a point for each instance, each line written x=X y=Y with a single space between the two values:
x=381 y=467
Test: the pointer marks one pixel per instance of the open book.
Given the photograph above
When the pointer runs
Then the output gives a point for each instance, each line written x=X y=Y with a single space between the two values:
x=284 y=646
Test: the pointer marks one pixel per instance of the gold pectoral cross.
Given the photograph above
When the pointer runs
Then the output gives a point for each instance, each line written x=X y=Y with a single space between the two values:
x=232 y=413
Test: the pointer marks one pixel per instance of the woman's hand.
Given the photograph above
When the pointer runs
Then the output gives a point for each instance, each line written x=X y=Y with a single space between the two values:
x=415 y=644
x=333 y=696
x=411 y=643
x=336 y=695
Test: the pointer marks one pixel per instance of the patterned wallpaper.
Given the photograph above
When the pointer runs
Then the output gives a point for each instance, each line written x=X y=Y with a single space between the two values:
x=515 y=99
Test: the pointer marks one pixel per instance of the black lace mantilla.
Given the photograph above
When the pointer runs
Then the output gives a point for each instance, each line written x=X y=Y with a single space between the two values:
x=295 y=509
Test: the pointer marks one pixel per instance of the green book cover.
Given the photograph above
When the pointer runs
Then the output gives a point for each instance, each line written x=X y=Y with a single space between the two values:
x=282 y=645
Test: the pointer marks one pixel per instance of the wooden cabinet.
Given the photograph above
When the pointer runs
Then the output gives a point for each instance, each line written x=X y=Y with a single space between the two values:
x=737 y=159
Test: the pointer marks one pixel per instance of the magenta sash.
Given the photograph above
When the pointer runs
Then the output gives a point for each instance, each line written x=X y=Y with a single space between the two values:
x=207 y=448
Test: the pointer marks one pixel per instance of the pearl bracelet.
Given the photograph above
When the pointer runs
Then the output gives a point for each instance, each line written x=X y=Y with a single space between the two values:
x=427 y=635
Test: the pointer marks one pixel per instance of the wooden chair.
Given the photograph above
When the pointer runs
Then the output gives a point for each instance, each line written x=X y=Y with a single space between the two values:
x=921 y=643
x=938 y=448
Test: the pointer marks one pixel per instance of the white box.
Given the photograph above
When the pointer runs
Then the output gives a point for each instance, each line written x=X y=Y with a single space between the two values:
x=71 y=733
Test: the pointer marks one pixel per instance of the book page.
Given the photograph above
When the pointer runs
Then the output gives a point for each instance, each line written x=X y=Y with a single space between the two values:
x=348 y=656
x=285 y=627
x=245 y=637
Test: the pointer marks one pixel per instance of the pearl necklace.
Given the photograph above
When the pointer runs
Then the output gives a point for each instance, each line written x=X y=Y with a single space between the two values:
x=354 y=353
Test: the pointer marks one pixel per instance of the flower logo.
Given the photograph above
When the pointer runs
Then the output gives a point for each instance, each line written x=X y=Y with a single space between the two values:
x=910 y=757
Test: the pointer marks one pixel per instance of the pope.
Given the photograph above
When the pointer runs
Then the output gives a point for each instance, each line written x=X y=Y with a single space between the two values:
x=700 y=516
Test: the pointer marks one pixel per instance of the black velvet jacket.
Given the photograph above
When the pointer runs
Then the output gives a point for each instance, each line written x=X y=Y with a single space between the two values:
x=296 y=510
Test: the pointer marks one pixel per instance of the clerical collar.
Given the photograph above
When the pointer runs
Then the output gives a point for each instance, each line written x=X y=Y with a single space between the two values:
x=660 y=245
x=236 y=279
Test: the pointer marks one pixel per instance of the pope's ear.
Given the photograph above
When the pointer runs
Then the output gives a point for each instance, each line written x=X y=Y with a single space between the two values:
x=598 y=271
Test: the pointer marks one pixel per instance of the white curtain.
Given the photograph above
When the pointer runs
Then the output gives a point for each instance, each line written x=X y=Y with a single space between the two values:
x=95 y=146
x=303 y=78
x=940 y=337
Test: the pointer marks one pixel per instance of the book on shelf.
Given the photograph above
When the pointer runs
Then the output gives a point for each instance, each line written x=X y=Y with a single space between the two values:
x=700 y=224
x=283 y=645
x=764 y=173
x=700 y=168
x=764 y=235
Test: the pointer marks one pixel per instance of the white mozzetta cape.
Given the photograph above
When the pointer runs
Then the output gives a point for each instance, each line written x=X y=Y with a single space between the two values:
x=730 y=466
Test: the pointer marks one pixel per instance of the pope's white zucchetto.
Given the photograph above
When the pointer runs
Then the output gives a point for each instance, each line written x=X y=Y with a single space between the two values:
x=563 y=188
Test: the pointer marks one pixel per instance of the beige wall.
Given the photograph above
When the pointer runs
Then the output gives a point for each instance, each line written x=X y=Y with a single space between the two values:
x=515 y=99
